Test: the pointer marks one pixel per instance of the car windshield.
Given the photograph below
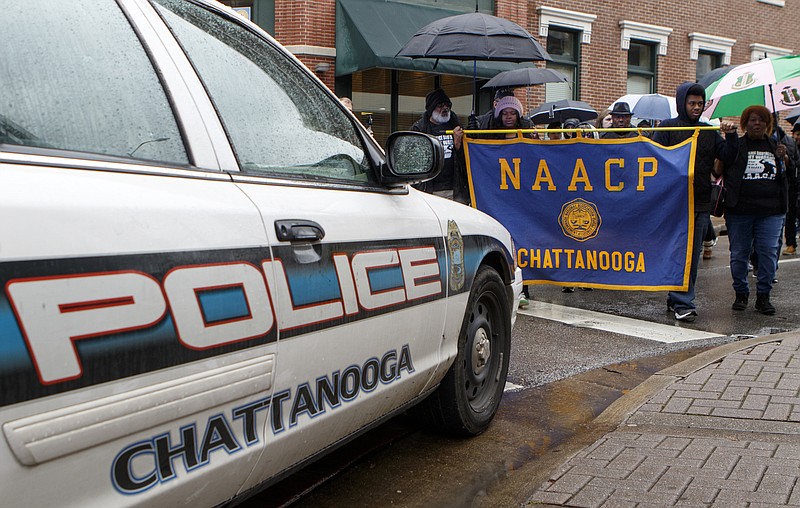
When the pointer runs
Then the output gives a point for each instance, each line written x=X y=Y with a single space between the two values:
x=280 y=122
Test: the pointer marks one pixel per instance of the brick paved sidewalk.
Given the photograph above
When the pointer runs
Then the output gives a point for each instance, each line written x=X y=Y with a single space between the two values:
x=725 y=434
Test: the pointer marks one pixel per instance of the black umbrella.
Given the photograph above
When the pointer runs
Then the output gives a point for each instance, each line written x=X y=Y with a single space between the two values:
x=793 y=116
x=558 y=111
x=527 y=76
x=713 y=75
x=474 y=36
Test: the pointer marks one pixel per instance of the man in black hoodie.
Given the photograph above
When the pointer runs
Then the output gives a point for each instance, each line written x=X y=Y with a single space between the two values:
x=691 y=99
x=437 y=119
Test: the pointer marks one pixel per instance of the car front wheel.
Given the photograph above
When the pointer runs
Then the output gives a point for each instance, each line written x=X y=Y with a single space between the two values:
x=470 y=393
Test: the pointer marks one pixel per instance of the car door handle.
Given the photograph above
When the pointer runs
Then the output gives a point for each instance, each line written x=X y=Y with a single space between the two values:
x=298 y=230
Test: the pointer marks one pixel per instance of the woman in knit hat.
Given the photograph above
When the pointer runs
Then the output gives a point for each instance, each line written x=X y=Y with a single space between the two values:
x=508 y=115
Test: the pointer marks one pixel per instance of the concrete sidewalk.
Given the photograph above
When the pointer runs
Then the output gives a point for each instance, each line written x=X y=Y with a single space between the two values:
x=720 y=429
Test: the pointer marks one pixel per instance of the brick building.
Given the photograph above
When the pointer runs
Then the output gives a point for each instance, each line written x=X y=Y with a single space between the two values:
x=607 y=48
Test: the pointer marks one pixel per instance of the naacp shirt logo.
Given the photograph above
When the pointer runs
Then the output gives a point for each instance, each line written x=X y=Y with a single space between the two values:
x=580 y=220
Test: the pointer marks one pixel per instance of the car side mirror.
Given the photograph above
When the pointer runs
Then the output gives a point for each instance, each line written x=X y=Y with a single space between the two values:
x=411 y=157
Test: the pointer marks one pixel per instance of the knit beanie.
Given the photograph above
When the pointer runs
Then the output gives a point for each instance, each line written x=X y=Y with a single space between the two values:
x=508 y=102
x=435 y=98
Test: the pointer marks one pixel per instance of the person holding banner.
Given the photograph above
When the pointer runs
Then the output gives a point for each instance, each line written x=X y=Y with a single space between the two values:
x=508 y=115
x=489 y=120
x=755 y=205
x=438 y=118
x=691 y=99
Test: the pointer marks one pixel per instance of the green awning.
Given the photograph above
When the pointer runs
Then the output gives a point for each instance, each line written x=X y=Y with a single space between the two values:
x=369 y=33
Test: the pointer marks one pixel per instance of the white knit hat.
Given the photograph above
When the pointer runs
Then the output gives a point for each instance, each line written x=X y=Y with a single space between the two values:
x=508 y=102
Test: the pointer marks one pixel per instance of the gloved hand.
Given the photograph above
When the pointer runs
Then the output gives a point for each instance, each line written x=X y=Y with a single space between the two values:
x=472 y=123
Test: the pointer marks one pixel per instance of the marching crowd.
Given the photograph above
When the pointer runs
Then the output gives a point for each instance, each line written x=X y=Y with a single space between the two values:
x=758 y=171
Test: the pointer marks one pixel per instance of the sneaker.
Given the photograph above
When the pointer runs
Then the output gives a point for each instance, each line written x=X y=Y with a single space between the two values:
x=670 y=307
x=567 y=290
x=763 y=306
x=708 y=253
x=686 y=316
x=790 y=251
x=523 y=301
x=741 y=301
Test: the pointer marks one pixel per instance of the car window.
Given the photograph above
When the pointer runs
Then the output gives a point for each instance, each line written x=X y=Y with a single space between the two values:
x=279 y=121
x=90 y=88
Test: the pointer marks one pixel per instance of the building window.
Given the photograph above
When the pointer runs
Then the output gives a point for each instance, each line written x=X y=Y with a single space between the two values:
x=658 y=35
x=571 y=20
x=759 y=51
x=372 y=99
x=564 y=31
x=704 y=44
x=707 y=61
x=564 y=49
x=641 y=67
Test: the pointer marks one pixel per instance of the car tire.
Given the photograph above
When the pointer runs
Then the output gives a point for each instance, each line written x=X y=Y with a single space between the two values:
x=469 y=395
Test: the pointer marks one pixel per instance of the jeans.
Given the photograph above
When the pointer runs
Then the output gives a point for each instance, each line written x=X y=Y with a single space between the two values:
x=761 y=234
x=684 y=300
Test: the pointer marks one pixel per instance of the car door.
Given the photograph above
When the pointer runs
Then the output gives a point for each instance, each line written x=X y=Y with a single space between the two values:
x=358 y=273
x=137 y=338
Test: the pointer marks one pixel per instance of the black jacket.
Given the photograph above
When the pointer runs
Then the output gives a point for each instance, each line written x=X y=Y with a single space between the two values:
x=454 y=174
x=734 y=173
x=709 y=145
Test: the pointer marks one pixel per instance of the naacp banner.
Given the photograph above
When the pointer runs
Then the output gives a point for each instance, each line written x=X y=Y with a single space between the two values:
x=602 y=213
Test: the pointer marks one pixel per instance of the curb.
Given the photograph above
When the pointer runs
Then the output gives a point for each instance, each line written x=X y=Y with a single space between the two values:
x=625 y=406
x=622 y=408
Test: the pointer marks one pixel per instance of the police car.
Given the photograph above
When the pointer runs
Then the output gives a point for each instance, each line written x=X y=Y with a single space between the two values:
x=210 y=272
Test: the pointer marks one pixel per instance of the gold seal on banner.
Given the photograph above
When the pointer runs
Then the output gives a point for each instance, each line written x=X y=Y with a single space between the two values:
x=580 y=220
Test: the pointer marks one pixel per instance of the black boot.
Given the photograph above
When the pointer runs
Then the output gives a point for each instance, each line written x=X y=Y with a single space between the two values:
x=741 y=301
x=762 y=304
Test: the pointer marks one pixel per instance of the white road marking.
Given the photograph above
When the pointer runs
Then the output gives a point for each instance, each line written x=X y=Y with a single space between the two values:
x=782 y=260
x=511 y=387
x=626 y=326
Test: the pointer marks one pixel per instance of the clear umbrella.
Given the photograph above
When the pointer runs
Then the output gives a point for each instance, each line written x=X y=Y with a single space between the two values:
x=654 y=106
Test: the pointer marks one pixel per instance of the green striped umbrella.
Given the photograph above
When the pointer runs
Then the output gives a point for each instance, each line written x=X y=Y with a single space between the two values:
x=771 y=82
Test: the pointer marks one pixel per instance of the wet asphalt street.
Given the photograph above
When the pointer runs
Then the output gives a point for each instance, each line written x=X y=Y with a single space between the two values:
x=573 y=354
